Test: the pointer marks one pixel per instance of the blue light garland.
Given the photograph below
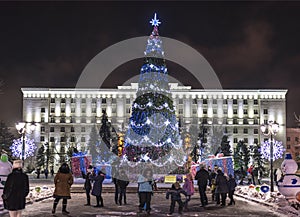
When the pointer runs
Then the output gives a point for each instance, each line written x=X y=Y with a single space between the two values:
x=16 y=147
x=278 y=150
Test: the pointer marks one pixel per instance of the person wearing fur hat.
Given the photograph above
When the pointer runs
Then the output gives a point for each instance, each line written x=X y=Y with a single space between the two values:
x=15 y=190
x=87 y=184
x=63 y=181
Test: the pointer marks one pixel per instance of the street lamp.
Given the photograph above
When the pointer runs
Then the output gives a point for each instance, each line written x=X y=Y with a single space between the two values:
x=270 y=129
x=22 y=129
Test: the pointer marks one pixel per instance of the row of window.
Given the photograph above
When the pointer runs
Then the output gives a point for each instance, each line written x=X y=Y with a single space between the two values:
x=62 y=129
x=63 y=139
x=245 y=131
x=234 y=121
x=225 y=101
x=225 y=112
x=236 y=140
x=289 y=139
x=103 y=100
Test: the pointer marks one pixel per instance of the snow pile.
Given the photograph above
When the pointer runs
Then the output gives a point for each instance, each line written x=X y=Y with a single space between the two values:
x=38 y=193
x=275 y=200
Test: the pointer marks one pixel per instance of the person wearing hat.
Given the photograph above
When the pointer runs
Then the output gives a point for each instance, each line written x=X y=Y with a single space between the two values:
x=202 y=176
x=15 y=190
x=87 y=184
x=63 y=181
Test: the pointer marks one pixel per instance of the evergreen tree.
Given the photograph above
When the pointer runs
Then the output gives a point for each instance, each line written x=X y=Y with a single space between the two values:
x=40 y=157
x=214 y=139
x=241 y=156
x=93 y=144
x=6 y=139
x=153 y=134
x=225 y=147
x=258 y=160
x=109 y=139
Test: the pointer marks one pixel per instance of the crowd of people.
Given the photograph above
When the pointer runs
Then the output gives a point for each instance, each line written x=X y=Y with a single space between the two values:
x=220 y=185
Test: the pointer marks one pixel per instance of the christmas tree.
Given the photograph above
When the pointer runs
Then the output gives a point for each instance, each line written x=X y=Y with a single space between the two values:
x=153 y=135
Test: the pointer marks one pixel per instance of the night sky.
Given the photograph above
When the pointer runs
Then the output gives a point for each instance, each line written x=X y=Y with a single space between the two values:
x=249 y=45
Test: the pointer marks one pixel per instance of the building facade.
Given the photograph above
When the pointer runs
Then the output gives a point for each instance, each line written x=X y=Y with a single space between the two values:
x=66 y=116
x=293 y=142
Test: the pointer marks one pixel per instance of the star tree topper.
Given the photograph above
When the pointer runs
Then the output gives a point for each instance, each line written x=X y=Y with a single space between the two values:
x=155 y=22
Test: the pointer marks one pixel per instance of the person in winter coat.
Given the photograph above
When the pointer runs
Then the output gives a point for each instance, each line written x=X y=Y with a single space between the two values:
x=87 y=184
x=63 y=181
x=221 y=187
x=122 y=183
x=231 y=188
x=202 y=176
x=212 y=177
x=188 y=187
x=15 y=190
x=145 y=188
x=175 y=192
x=97 y=187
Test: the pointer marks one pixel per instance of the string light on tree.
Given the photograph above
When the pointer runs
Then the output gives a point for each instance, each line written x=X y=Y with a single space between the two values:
x=155 y=22
x=16 y=147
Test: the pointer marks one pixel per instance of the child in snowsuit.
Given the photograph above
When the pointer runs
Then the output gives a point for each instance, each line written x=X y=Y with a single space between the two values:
x=188 y=187
x=175 y=192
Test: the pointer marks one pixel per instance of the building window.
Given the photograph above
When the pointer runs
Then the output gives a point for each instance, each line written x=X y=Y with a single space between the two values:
x=72 y=110
x=235 y=140
x=255 y=111
x=180 y=101
x=245 y=111
x=52 y=129
x=62 y=139
x=94 y=101
x=214 y=101
x=194 y=111
x=226 y=130
x=235 y=101
x=72 y=120
x=245 y=121
x=225 y=111
x=235 y=121
x=52 y=100
x=128 y=110
x=42 y=139
x=265 y=121
x=73 y=100
x=204 y=101
x=235 y=130
x=83 y=100
x=72 y=129
x=235 y=111
x=214 y=111
x=255 y=121
x=72 y=139
x=43 y=110
x=296 y=139
x=255 y=140
x=205 y=111
x=62 y=120
x=52 y=120
x=265 y=111
x=225 y=101
x=62 y=110
x=114 y=100
x=246 y=140
x=114 y=110
x=63 y=100
x=255 y=131
x=94 y=110
x=127 y=101
x=245 y=131
x=83 y=120
x=83 y=110
x=204 y=121
x=288 y=146
x=104 y=100
x=288 y=139
x=245 y=102
x=194 y=101
x=51 y=139
x=52 y=110
x=62 y=129
x=180 y=111
x=255 y=102
x=83 y=129
x=42 y=129
x=82 y=139
x=42 y=119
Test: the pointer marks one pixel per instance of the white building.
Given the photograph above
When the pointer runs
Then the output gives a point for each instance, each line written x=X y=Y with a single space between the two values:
x=66 y=115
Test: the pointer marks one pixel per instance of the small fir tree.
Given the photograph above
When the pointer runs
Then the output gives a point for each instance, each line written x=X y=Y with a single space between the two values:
x=40 y=157
x=93 y=144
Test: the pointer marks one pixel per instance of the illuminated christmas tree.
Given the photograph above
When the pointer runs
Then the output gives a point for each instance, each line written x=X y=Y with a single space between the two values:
x=153 y=134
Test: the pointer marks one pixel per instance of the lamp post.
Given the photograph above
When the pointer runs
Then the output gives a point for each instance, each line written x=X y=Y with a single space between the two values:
x=22 y=129
x=270 y=129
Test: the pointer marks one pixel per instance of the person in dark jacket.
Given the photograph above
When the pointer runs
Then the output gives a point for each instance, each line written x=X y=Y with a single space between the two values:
x=97 y=187
x=122 y=183
x=87 y=184
x=221 y=187
x=115 y=175
x=231 y=188
x=175 y=192
x=63 y=181
x=202 y=176
x=15 y=190
x=145 y=189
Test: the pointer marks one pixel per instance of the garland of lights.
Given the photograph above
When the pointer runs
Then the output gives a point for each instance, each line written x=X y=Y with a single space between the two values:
x=16 y=147
x=278 y=149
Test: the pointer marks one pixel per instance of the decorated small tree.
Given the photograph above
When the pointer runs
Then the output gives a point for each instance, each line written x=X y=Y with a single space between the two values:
x=93 y=144
x=40 y=157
